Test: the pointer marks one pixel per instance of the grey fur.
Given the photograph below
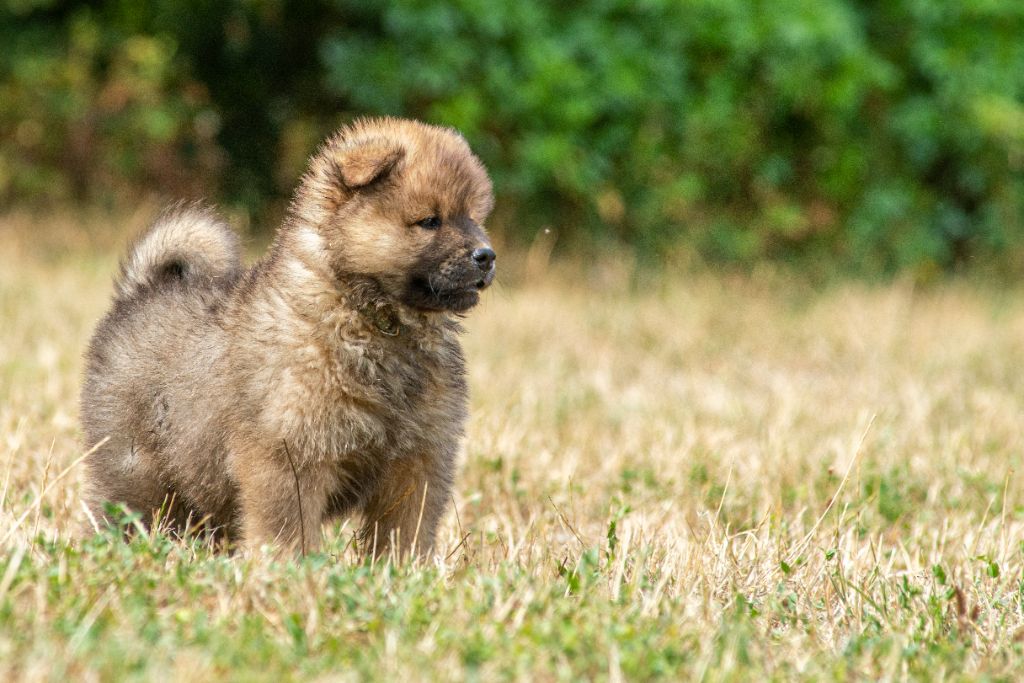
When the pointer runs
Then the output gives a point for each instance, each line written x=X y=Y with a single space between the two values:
x=187 y=240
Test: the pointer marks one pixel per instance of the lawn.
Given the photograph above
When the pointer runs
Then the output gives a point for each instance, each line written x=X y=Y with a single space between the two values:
x=683 y=474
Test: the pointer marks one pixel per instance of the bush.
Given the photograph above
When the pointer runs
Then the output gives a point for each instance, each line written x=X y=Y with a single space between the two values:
x=86 y=105
x=880 y=135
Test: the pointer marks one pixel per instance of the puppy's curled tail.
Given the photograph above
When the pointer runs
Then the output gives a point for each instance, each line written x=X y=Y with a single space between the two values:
x=186 y=242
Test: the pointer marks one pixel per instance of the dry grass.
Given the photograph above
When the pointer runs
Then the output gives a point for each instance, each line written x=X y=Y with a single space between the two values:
x=682 y=477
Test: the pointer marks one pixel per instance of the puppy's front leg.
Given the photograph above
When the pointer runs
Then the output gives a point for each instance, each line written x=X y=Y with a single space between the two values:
x=406 y=507
x=282 y=500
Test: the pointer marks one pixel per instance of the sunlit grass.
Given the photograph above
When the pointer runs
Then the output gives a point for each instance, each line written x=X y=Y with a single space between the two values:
x=671 y=475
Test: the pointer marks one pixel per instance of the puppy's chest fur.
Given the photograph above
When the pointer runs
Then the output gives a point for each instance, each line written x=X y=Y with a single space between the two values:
x=335 y=385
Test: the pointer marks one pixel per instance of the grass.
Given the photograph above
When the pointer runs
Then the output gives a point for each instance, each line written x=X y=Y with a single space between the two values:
x=690 y=476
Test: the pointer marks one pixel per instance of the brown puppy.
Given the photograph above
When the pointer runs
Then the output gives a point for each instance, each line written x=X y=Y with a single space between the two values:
x=325 y=380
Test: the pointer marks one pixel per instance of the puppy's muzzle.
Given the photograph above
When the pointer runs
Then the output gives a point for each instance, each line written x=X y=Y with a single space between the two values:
x=484 y=258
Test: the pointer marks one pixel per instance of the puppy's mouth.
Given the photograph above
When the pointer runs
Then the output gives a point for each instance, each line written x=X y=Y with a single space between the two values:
x=429 y=294
x=460 y=300
x=485 y=282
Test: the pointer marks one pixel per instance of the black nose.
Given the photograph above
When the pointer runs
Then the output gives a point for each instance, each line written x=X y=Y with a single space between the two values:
x=484 y=257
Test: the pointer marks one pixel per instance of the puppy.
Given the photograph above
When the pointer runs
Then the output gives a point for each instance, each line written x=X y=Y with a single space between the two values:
x=325 y=380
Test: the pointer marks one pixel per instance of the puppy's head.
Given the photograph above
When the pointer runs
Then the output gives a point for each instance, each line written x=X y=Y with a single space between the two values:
x=403 y=203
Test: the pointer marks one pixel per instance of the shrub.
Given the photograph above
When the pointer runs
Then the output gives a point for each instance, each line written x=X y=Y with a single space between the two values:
x=876 y=135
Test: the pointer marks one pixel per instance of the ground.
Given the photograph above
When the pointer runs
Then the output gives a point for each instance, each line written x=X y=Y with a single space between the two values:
x=681 y=474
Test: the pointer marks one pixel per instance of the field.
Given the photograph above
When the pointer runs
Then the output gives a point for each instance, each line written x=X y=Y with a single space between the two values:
x=684 y=475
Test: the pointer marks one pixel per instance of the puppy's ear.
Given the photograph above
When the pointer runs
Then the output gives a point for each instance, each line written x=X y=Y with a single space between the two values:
x=365 y=162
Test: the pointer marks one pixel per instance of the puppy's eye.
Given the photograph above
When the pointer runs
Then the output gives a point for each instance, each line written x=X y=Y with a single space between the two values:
x=430 y=223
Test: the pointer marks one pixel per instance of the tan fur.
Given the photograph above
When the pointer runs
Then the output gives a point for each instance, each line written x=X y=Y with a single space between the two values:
x=184 y=236
x=325 y=380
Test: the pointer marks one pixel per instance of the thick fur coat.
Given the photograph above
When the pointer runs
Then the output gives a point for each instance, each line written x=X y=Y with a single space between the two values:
x=325 y=380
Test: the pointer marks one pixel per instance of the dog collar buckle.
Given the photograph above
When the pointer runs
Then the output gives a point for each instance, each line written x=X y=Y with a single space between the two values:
x=385 y=320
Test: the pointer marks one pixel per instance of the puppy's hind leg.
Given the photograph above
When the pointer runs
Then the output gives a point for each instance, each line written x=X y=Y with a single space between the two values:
x=122 y=472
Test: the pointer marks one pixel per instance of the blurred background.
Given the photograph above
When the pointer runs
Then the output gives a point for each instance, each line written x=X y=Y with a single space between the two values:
x=862 y=136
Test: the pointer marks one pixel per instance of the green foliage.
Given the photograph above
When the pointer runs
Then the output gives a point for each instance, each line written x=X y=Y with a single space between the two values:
x=880 y=135
x=87 y=105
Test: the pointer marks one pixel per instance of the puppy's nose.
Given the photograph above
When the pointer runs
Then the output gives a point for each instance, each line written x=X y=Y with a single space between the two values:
x=484 y=257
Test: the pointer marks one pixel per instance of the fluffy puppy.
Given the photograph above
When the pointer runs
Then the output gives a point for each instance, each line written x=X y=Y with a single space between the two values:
x=325 y=380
